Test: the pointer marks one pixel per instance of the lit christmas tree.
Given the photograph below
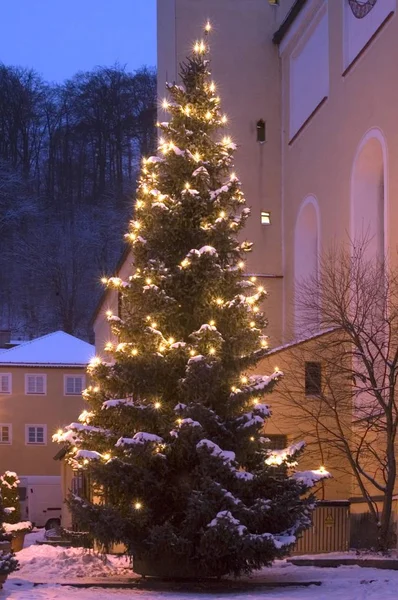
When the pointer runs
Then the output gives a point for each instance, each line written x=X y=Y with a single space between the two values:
x=173 y=440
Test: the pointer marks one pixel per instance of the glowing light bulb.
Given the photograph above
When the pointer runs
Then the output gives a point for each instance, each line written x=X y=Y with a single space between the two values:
x=252 y=438
x=256 y=309
x=224 y=119
x=171 y=340
x=233 y=388
x=109 y=313
x=95 y=361
x=139 y=204
x=244 y=379
x=165 y=104
x=255 y=401
x=59 y=432
x=222 y=214
x=253 y=279
x=179 y=421
x=212 y=87
x=137 y=505
x=157 y=405
x=134 y=352
x=104 y=280
x=148 y=281
x=196 y=156
x=212 y=350
x=185 y=263
x=187 y=110
x=260 y=289
x=241 y=264
x=252 y=324
x=208 y=27
x=226 y=140
x=233 y=176
x=264 y=343
x=199 y=47
x=212 y=323
x=219 y=301
x=276 y=369
x=322 y=469
x=154 y=324
x=106 y=456
x=208 y=115
x=192 y=352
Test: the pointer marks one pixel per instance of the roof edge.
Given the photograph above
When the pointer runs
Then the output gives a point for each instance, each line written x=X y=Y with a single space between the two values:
x=289 y=20
x=104 y=294
x=47 y=365
x=301 y=341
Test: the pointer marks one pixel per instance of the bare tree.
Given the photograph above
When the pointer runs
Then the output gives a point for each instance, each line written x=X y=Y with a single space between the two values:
x=355 y=413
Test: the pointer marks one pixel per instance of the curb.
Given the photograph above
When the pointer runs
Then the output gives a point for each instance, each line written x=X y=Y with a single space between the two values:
x=390 y=564
x=173 y=586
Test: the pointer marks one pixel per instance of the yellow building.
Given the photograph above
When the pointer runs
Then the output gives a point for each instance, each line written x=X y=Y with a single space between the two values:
x=40 y=391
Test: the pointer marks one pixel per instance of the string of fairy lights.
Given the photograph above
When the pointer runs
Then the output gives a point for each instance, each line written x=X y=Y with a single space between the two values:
x=148 y=189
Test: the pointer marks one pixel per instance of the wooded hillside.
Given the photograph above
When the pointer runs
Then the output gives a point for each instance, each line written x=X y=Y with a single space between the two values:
x=69 y=156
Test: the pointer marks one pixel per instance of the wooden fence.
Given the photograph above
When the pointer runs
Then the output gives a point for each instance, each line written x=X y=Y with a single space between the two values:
x=330 y=531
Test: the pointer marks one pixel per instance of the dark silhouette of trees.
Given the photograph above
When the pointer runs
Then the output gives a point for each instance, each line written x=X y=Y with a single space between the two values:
x=69 y=157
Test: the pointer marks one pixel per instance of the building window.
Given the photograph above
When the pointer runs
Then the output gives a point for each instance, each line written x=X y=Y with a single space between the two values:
x=265 y=217
x=5 y=433
x=36 y=384
x=36 y=434
x=277 y=441
x=261 y=131
x=5 y=383
x=73 y=385
x=313 y=379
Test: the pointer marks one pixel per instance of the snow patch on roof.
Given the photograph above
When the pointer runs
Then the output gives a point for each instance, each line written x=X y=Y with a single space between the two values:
x=57 y=348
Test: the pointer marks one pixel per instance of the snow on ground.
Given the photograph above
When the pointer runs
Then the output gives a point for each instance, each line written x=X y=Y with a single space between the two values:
x=56 y=564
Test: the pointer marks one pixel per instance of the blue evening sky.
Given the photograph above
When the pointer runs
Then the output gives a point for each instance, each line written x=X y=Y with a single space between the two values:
x=60 y=37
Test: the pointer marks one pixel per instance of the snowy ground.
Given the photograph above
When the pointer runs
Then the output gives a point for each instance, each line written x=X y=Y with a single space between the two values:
x=54 y=565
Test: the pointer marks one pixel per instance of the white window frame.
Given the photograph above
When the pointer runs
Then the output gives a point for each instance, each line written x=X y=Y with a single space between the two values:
x=9 y=425
x=76 y=375
x=9 y=377
x=44 y=393
x=27 y=442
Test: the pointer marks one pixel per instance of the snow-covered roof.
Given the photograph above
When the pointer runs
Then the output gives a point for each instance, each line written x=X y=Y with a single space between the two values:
x=54 y=350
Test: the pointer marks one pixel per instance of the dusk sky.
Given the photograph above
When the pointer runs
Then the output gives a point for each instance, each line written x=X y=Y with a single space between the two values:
x=60 y=37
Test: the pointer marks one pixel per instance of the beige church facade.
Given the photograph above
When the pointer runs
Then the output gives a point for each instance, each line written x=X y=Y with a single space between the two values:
x=311 y=94
x=321 y=75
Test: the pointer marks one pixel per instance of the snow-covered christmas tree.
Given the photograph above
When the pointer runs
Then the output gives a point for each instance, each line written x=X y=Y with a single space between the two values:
x=173 y=440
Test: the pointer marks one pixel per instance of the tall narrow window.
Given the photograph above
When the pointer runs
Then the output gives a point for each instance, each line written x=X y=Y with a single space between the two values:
x=261 y=131
x=5 y=383
x=5 y=433
x=313 y=379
